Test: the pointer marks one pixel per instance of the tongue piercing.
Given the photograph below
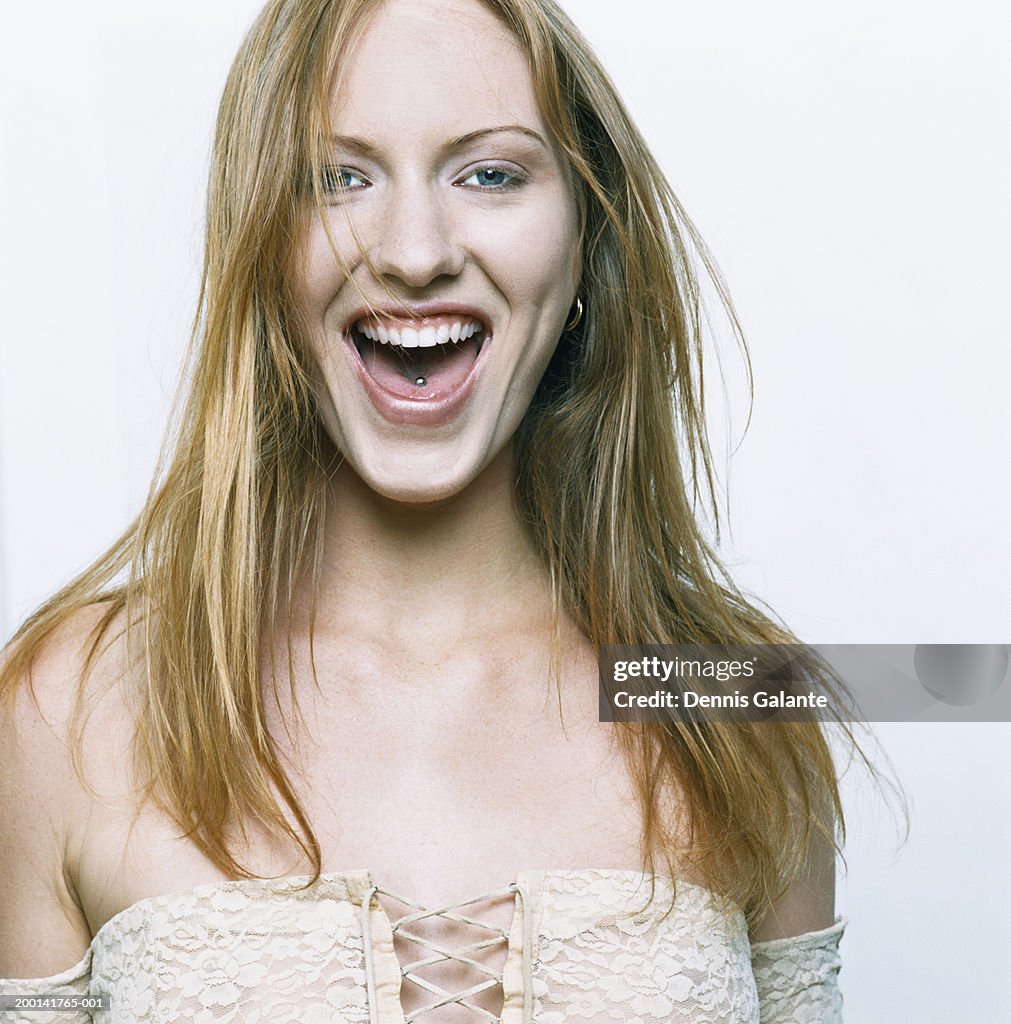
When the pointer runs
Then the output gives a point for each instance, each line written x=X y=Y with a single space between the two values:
x=420 y=381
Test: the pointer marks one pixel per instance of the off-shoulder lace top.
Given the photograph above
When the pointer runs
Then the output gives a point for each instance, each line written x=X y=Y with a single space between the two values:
x=583 y=947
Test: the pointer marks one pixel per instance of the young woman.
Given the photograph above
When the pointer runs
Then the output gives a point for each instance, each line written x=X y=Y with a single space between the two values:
x=318 y=739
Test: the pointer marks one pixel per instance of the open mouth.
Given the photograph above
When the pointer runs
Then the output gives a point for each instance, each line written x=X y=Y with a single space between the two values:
x=421 y=359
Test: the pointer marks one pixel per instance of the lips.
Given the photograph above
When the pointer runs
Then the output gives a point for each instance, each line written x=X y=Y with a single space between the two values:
x=419 y=365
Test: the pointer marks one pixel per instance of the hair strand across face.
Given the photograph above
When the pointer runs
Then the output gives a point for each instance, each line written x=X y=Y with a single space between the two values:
x=611 y=462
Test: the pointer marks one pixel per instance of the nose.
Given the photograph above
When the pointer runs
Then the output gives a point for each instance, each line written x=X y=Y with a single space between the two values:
x=417 y=243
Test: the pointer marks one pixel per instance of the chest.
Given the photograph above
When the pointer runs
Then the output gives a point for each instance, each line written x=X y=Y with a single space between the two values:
x=455 y=774
x=444 y=779
x=441 y=777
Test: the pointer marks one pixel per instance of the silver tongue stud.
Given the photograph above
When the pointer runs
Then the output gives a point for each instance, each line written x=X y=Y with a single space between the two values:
x=420 y=381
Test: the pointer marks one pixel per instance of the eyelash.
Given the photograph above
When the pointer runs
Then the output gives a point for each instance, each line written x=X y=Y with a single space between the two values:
x=330 y=185
x=516 y=178
x=328 y=179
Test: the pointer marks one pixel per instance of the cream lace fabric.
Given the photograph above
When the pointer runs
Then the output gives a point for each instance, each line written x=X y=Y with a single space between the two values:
x=581 y=948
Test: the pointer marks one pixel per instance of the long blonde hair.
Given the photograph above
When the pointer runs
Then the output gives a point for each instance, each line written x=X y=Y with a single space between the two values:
x=611 y=462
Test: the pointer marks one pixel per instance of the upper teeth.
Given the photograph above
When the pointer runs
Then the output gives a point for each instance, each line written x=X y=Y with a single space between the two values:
x=424 y=337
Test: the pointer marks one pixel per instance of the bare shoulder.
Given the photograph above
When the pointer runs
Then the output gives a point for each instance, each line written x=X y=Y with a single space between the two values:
x=44 y=798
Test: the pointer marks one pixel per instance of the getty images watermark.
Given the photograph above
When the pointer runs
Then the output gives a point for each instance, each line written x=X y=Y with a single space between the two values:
x=805 y=682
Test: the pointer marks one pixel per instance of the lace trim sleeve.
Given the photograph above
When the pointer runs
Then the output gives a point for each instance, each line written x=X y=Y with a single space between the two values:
x=74 y=981
x=797 y=977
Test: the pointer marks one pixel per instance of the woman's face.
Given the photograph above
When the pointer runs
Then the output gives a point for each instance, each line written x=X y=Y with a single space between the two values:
x=444 y=179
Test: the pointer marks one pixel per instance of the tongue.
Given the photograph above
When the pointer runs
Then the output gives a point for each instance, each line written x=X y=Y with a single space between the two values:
x=443 y=367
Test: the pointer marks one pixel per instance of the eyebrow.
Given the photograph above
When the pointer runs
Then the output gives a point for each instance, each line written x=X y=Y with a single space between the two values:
x=463 y=140
x=366 y=148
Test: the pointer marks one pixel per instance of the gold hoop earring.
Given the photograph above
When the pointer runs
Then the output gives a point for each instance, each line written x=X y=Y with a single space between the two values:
x=575 y=318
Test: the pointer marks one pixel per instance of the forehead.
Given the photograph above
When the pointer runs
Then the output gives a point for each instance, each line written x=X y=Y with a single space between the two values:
x=424 y=65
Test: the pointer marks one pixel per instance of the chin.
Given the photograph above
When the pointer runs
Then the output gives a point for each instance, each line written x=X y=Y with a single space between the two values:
x=417 y=475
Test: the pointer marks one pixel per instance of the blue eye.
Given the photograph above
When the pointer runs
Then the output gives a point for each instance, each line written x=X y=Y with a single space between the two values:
x=340 y=179
x=492 y=178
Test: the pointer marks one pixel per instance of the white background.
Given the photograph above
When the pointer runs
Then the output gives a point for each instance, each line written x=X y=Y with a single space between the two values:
x=848 y=165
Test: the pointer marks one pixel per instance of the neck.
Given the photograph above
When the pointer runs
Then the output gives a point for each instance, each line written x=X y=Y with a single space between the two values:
x=430 y=572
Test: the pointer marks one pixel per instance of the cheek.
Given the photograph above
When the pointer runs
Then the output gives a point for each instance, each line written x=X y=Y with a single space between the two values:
x=313 y=277
x=316 y=272
x=536 y=260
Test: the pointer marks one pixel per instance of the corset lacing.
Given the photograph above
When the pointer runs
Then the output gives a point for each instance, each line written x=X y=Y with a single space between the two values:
x=462 y=954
